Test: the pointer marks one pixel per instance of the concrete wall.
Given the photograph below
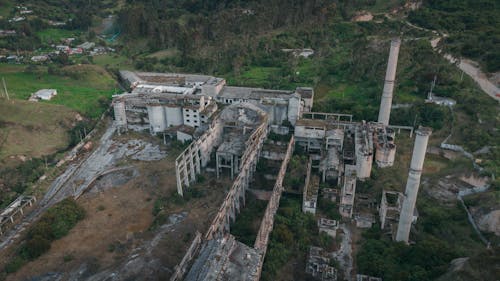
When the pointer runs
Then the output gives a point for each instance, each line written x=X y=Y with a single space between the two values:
x=191 y=117
x=180 y=269
x=196 y=156
x=267 y=223
x=231 y=205
x=294 y=108
x=173 y=116
x=157 y=122
x=120 y=114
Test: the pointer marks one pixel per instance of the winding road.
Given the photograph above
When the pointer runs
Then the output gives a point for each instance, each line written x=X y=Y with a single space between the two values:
x=469 y=67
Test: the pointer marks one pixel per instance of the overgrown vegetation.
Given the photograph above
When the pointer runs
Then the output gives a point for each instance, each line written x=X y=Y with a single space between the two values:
x=442 y=234
x=247 y=222
x=53 y=225
x=473 y=27
x=291 y=237
x=296 y=173
x=18 y=179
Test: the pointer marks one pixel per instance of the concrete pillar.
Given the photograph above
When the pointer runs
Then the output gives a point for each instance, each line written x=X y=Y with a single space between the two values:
x=217 y=164
x=192 y=168
x=197 y=160
x=185 y=171
x=178 y=178
x=412 y=185
x=232 y=167
x=120 y=115
x=227 y=222
x=390 y=76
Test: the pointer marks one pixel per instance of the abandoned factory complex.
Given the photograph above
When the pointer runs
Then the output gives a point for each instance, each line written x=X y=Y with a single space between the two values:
x=229 y=130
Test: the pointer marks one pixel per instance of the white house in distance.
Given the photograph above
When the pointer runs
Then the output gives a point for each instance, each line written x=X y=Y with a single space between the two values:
x=43 y=94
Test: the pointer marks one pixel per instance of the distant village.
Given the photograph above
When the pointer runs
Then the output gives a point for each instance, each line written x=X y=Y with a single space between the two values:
x=69 y=46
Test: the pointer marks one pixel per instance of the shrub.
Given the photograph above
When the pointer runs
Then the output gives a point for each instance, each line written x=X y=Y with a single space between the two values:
x=34 y=247
x=15 y=264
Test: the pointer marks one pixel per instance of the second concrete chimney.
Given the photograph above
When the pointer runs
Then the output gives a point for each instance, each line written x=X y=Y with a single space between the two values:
x=390 y=76
x=413 y=183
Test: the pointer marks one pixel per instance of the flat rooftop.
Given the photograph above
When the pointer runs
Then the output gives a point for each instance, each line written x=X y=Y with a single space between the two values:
x=253 y=93
x=168 y=78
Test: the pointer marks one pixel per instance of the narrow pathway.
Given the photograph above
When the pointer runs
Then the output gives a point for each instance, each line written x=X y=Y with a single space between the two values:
x=469 y=67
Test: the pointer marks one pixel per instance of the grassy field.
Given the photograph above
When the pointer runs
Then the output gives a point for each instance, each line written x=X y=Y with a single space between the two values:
x=55 y=35
x=33 y=129
x=113 y=60
x=79 y=90
x=5 y=8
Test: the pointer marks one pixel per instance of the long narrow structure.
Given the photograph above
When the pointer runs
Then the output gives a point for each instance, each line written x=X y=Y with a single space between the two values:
x=413 y=183
x=390 y=77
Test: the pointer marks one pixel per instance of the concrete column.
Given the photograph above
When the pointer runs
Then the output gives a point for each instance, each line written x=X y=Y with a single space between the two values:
x=185 y=171
x=178 y=178
x=232 y=167
x=197 y=160
x=192 y=171
x=413 y=183
x=390 y=76
x=217 y=164
x=120 y=114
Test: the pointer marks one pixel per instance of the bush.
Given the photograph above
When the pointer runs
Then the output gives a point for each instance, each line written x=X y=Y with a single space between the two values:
x=15 y=264
x=54 y=224
x=34 y=247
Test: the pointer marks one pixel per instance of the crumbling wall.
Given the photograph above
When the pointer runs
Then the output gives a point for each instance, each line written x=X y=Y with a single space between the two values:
x=266 y=225
x=180 y=269
x=196 y=156
x=231 y=205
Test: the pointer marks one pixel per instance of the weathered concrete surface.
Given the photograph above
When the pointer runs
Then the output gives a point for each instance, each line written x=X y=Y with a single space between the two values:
x=490 y=222
x=141 y=264
x=267 y=222
x=344 y=253
x=77 y=178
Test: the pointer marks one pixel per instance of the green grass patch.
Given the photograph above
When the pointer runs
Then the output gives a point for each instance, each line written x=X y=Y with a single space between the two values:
x=80 y=87
x=113 y=60
x=6 y=7
x=258 y=76
x=54 y=224
x=33 y=129
x=55 y=35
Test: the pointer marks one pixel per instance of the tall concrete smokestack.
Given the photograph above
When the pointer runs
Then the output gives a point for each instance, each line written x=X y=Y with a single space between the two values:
x=390 y=76
x=412 y=185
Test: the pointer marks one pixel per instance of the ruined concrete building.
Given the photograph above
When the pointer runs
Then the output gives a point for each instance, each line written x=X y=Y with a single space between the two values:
x=225 y=259
x=318 y=265
x=390 y=210
x=348 y=191
x=328 y=226
x=390 y=207
x=165 y=102
x=228 y=125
